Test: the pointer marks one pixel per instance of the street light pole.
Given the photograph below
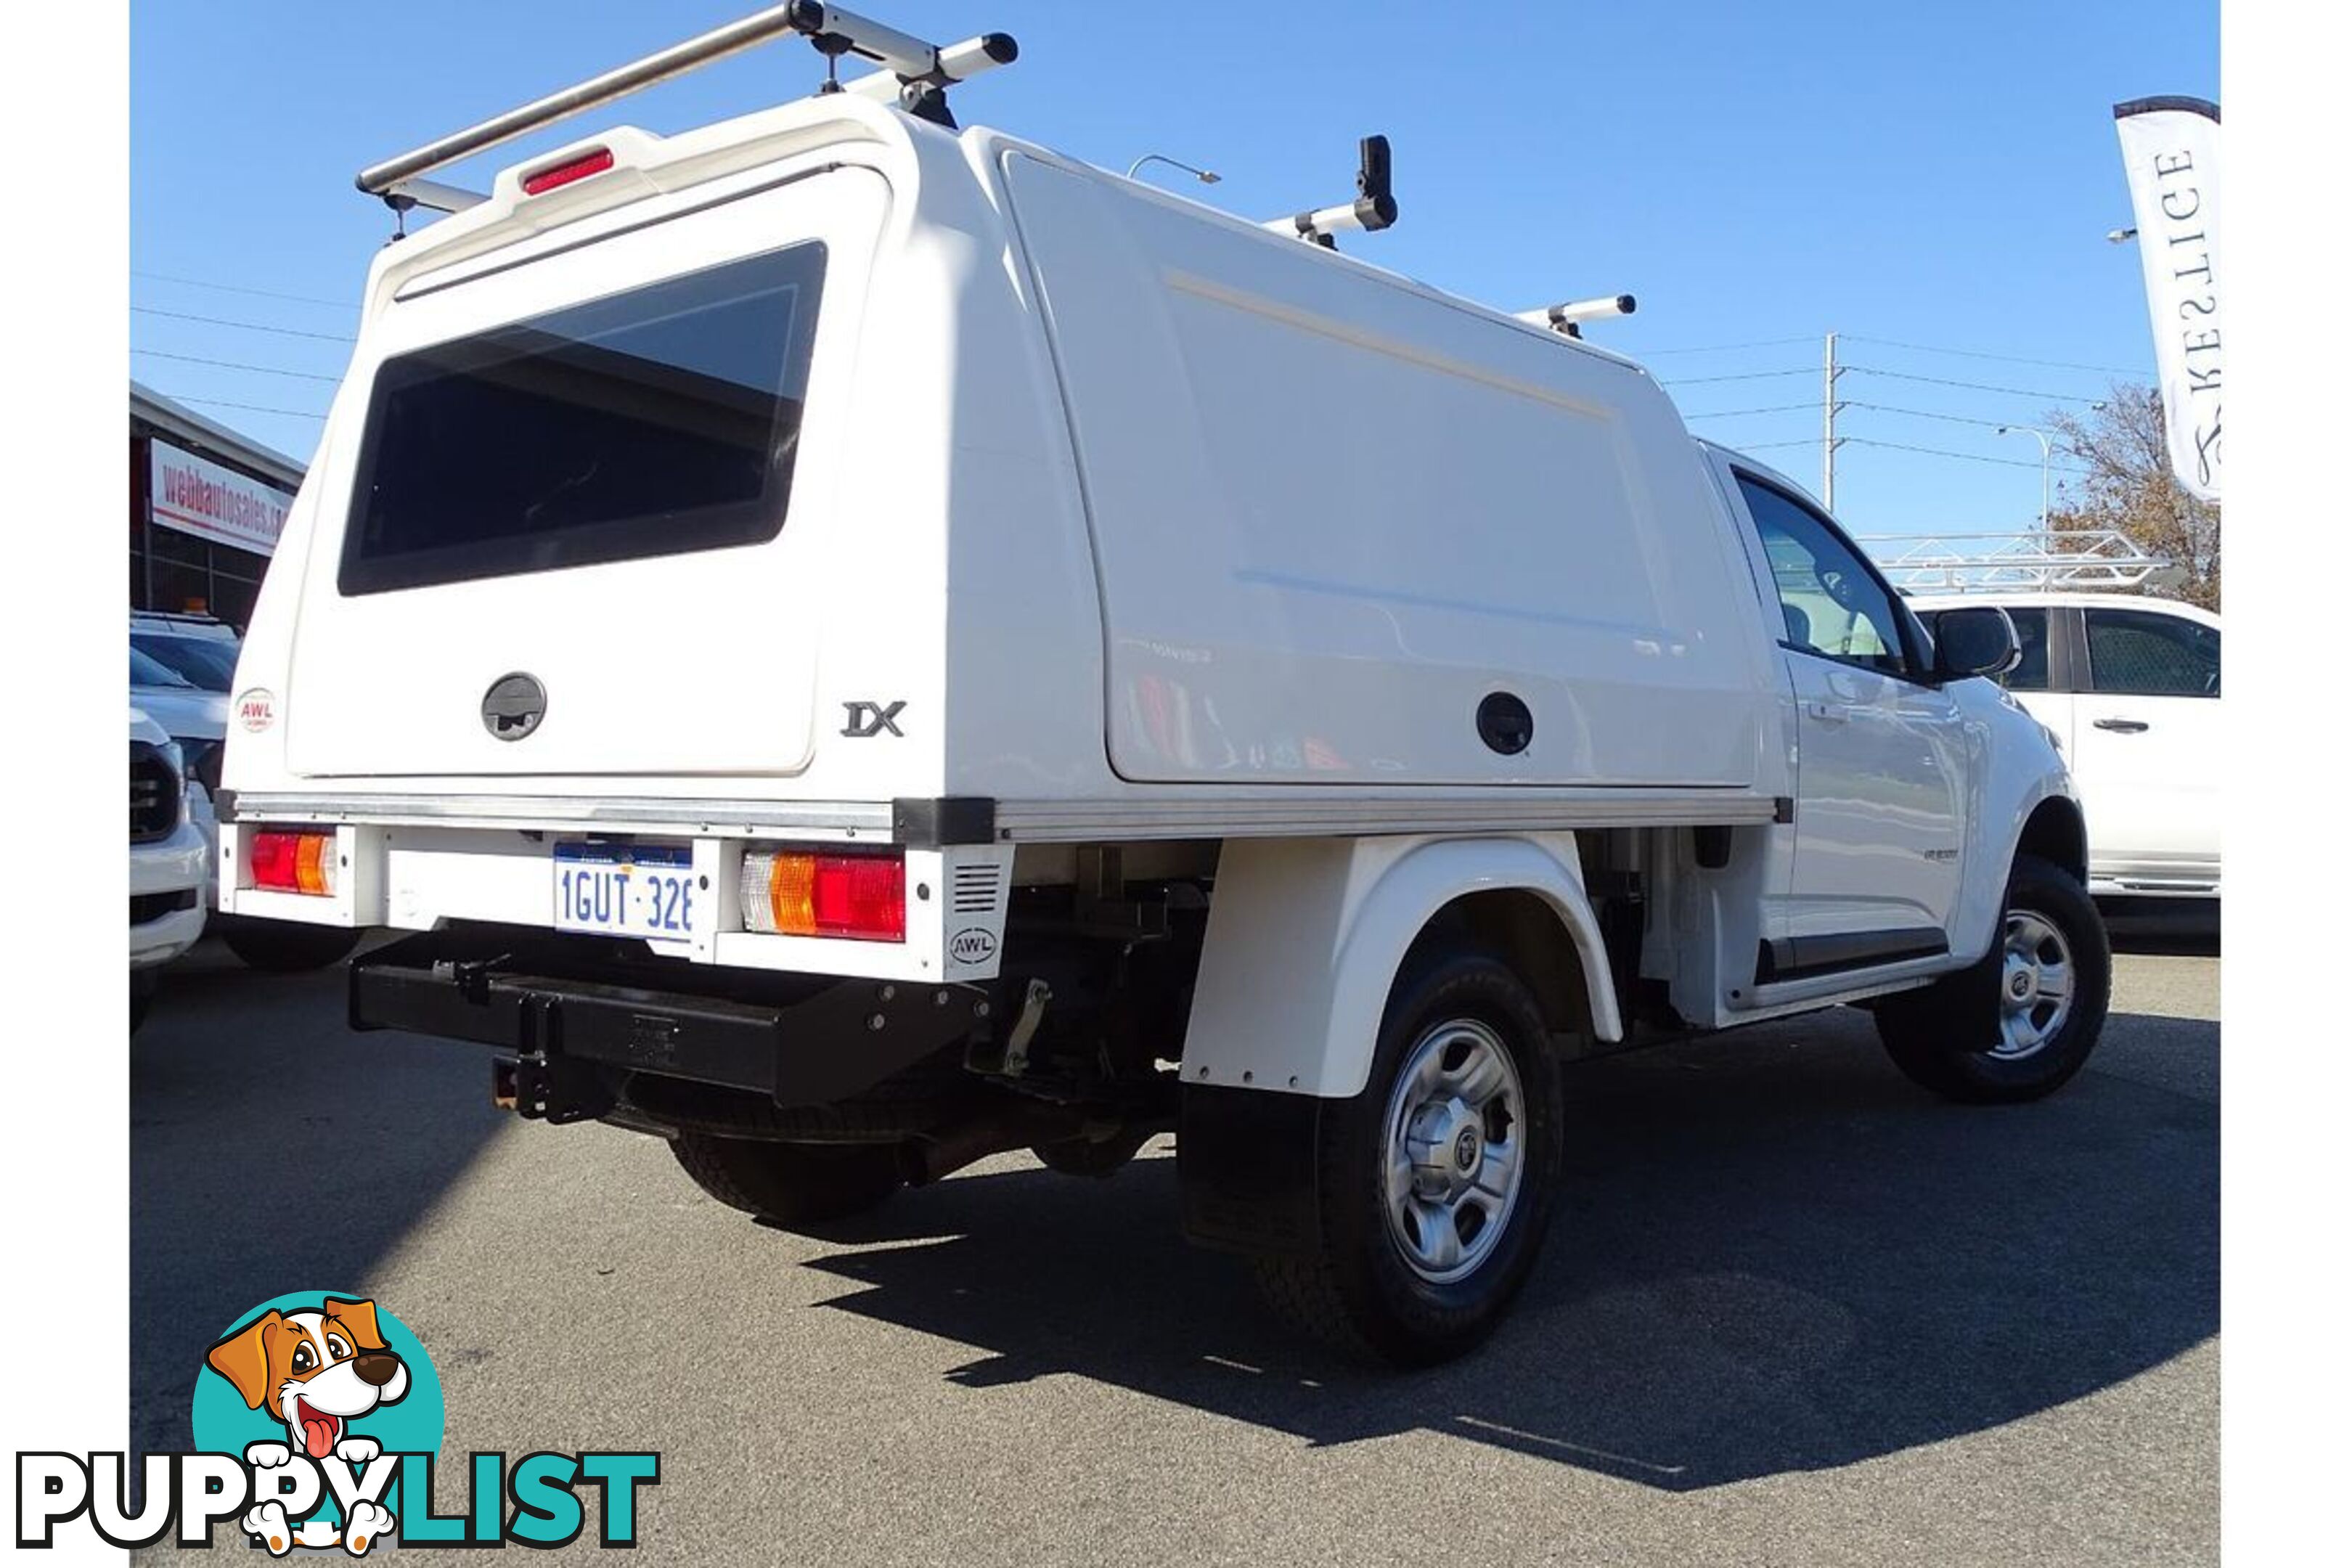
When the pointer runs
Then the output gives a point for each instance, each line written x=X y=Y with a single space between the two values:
x=1206 y=176
x=2043 y=436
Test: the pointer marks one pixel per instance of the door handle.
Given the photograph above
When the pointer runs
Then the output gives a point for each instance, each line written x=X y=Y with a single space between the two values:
x=2121 y=726
x=1827 y=712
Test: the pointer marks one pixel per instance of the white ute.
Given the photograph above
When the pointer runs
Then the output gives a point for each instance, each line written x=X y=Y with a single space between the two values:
x=855 y=645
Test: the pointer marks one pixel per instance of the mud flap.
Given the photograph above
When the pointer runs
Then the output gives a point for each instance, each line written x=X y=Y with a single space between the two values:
x=1246 y=1164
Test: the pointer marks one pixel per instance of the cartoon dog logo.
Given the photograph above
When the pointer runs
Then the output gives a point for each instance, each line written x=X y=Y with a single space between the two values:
x=317 y=1372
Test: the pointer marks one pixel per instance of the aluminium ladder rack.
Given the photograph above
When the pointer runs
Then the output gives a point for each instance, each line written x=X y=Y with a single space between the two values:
x=2036 y=562
x=914 y=73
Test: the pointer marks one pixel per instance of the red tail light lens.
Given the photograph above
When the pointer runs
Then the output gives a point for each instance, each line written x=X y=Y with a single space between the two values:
x=798 y=892
x=540 y=180
x=289 y=862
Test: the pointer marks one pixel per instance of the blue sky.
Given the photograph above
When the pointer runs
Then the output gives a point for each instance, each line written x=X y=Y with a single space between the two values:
x=1757 y=173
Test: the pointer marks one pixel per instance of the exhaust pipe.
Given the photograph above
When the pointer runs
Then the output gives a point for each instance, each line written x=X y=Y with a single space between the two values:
x=934 y=1155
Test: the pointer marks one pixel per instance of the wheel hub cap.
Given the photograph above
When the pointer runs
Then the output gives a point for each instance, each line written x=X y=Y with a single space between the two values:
x=2037 y=984
x=1453 y=1151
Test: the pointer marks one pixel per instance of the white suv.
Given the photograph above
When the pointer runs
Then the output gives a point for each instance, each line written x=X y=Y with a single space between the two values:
x=168 y=860
x=2132 y=688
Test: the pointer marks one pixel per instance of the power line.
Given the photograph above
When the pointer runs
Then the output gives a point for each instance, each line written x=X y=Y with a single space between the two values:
x=1979 y=353
x=1728 y=348
x=1932 y=414
x=1970 y=386
x=239 y=289
x=1743 y=375
x=243 y=326
x=1964 y=456
x=249 y=408
x=233 y=365
x=1775 y=408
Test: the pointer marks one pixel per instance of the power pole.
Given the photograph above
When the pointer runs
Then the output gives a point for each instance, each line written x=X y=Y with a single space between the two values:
x=1831 y=441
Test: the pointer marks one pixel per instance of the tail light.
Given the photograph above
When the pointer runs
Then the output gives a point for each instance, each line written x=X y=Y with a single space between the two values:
x=287 y=862
x=799 y=892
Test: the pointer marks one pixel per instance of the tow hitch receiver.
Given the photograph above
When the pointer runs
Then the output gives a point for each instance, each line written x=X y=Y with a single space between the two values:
x=554 y=1090
x=571 y=1016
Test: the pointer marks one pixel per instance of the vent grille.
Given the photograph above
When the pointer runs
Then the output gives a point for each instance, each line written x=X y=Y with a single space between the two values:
x=974 y=891
x=145 y=907
x=154 y=795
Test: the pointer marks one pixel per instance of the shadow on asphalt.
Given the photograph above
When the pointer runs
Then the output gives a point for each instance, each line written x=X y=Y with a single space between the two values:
x=2188 y=927
x=268 y=1156
x=1773 y=1255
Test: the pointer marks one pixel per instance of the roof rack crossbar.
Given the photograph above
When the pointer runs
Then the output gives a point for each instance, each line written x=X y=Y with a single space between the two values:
x=1568 y=318
x=907 y=61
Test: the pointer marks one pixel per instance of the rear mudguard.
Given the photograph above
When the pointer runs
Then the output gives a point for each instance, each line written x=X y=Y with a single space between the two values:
x=1306 y=935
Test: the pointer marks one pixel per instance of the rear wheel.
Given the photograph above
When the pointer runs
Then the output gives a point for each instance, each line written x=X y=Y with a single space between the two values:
x=285 y=947
x=1435 y=1183
x=2018 y=1025
x=789 y=1184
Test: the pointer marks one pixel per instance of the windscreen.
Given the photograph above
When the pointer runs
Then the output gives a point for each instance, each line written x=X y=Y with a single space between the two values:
x=654 y=422
x=208 y=662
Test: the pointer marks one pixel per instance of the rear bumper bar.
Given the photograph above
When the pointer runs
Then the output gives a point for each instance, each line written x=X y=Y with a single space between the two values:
x=799 y=1039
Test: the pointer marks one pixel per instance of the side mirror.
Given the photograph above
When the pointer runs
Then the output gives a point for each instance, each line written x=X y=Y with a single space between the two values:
x=1976 y=640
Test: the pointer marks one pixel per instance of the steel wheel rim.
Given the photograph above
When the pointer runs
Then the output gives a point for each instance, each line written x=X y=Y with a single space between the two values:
x=2037 y=984
x=1453 y=1152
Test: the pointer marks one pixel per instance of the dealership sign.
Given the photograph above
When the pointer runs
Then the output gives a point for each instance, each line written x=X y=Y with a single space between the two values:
x=185 y=492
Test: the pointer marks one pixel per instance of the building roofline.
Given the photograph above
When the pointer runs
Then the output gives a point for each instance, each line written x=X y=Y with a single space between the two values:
x=215 y=439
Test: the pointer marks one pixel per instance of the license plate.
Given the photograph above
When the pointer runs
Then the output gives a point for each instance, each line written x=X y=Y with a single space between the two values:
x=626 y=890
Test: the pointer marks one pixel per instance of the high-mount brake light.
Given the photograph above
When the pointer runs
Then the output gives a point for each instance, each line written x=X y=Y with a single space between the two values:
x=285 y=861
x=800 y=892
x=540 y=181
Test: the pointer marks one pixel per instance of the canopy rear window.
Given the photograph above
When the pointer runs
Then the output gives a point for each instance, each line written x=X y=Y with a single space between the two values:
x=654 y=422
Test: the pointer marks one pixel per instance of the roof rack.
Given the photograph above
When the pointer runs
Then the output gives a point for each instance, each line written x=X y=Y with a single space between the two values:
x=1568 y=318
x=914 y=73
x=1374 y=207
x=2060 y=559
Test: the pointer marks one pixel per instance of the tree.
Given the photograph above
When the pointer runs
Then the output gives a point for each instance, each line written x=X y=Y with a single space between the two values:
x=2129 y=488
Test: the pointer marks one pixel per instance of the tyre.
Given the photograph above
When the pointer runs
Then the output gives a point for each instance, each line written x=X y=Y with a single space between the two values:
x=143 y=987
x=285 y=947
x=2018 y=1025
x=1435 y=1183
x=789 y=1185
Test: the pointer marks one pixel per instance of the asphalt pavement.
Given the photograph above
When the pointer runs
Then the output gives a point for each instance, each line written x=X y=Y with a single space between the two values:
x=1792 y=1310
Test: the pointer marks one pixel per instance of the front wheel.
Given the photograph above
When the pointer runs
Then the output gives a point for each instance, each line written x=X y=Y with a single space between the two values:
x=1435 y=1182
x=2019 y=1024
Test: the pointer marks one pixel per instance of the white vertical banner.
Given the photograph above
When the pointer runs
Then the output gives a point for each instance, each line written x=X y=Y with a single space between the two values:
x=2172 y=155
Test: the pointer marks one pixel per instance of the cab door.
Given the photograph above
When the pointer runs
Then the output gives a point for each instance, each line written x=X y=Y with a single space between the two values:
x=1882 y=756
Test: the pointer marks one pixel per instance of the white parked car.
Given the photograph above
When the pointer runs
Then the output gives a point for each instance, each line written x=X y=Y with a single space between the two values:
x=853 y=645
x=168 y=861
x=195 y=717
x=2132 y=688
